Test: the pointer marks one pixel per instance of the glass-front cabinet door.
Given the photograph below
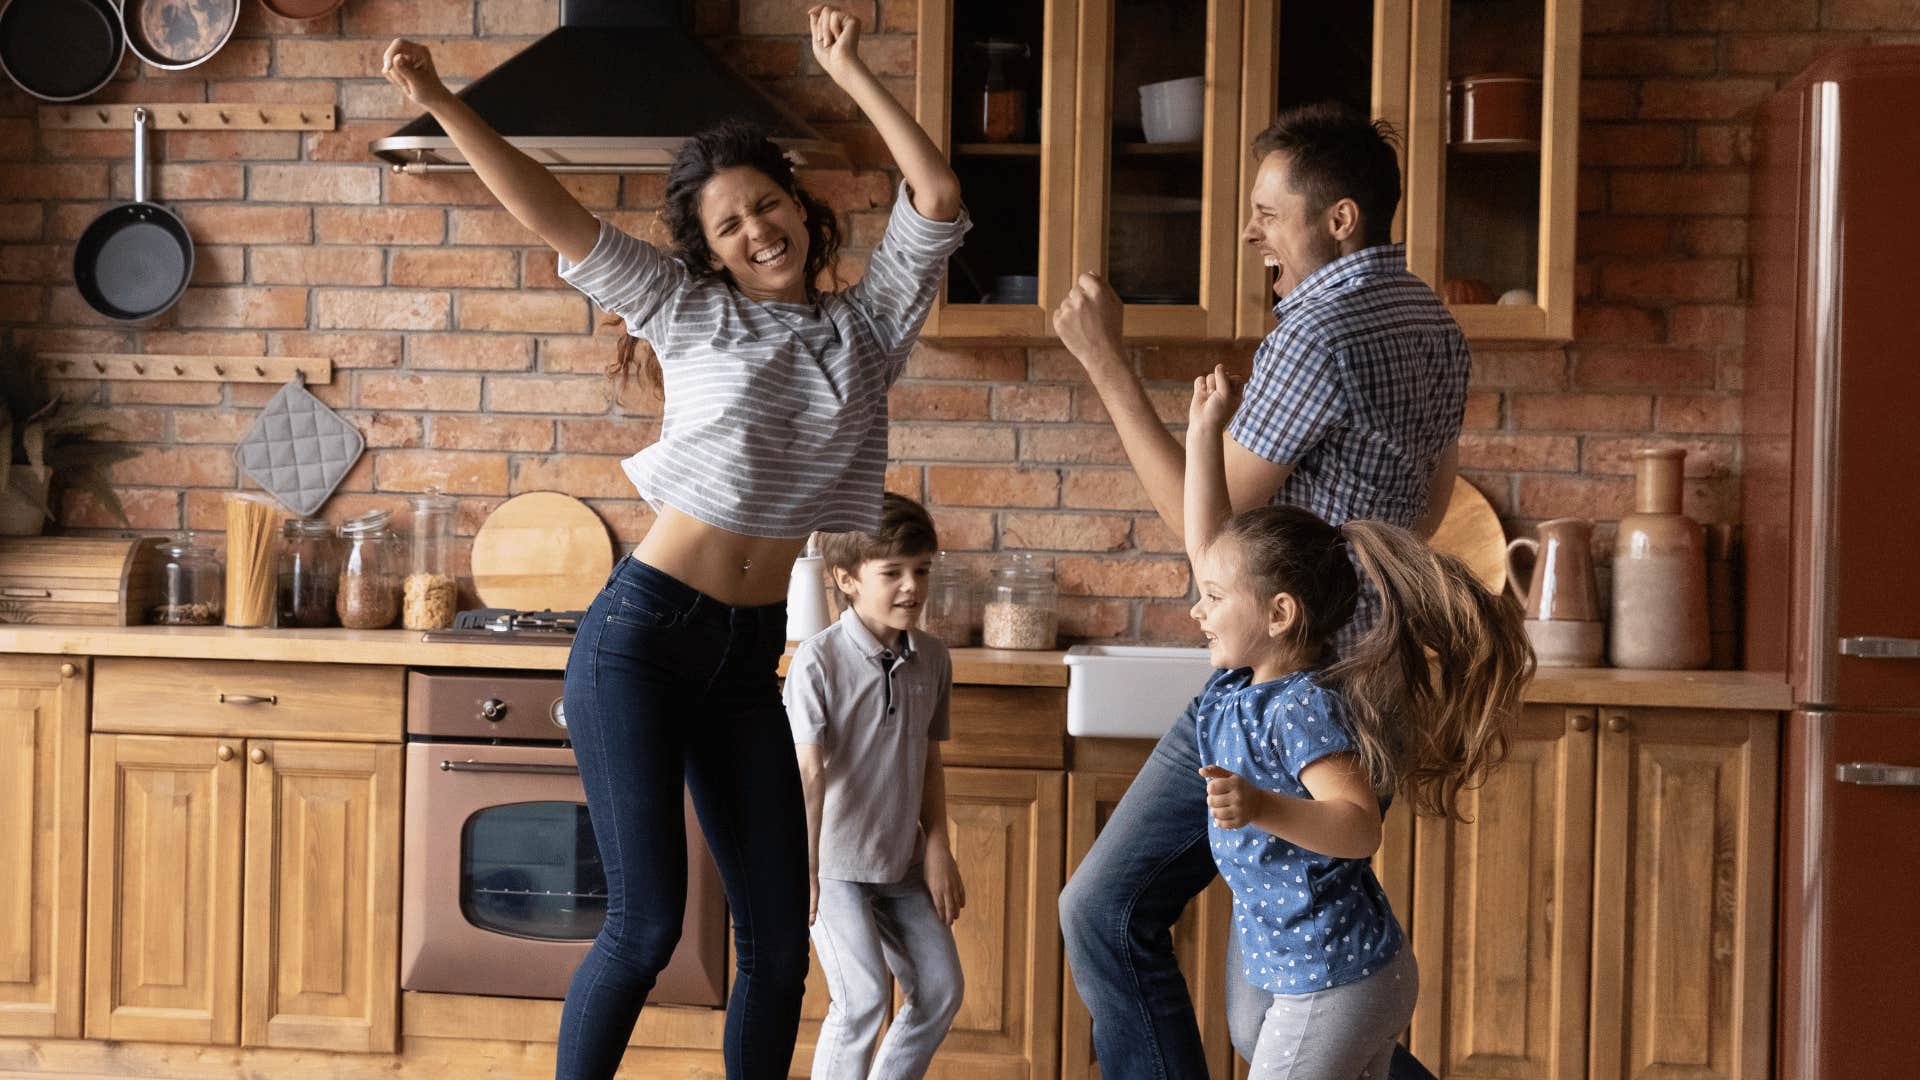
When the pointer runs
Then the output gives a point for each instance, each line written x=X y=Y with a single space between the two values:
x=1301 y=52
x=995 y=90
x=1491 y=155
x=1156 y=195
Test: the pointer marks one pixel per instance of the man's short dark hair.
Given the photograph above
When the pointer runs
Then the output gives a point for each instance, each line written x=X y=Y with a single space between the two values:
x=1335 y=152
x=906 y=529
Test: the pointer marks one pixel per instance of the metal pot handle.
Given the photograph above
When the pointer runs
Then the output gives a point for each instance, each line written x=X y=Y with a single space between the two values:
x=140 y=154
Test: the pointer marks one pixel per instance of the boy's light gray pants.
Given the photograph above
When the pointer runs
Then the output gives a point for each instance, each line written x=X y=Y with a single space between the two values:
x=866 y=936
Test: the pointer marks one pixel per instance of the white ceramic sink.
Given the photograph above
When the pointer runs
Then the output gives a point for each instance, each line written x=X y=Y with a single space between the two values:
x=1131 y=691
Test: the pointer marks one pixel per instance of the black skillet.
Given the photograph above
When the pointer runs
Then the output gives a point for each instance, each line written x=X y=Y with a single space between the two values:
x=133 y=262
x=60 y=50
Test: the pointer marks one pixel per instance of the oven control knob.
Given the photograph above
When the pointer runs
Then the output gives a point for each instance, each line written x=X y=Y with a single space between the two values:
x=557 y=712
x=494 y=710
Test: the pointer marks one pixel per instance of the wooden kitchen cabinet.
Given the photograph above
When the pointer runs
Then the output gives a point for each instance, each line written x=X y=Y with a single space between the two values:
x=1607 y=913
x=1495 y=215
x=182 y=827
x=1004 y=825
x=43 y=792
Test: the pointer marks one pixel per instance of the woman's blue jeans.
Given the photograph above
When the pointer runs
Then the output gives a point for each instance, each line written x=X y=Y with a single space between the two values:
x=1117 y=915
x=669 y=690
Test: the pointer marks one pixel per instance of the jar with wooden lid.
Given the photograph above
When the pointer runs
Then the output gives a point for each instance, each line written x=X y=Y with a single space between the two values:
x=369 y=591
x=190 y=584
x=1022 y=604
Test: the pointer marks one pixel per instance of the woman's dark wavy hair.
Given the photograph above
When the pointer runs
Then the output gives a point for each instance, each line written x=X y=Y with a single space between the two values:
x=726 y=145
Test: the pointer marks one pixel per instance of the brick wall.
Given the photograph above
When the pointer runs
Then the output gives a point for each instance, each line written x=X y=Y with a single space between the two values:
x=472 y=370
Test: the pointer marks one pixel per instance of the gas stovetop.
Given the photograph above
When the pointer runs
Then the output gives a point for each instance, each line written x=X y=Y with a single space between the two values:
x=507 y=627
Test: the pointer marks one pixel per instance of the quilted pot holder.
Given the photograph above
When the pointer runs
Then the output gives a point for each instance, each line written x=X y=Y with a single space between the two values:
x=298 y=450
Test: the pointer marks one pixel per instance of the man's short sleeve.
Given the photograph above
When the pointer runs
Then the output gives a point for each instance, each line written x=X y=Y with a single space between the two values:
x=1293 y=401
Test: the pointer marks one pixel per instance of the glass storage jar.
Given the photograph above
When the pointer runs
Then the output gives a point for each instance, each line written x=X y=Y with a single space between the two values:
x=1022 y=604
x=309 y=572
x=428 y=594
x=190 y=584
x=369 y=592
x=949 y=611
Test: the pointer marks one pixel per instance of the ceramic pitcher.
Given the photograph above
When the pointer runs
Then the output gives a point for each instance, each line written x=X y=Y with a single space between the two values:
x=1561 y=598
x=1560 y=586
x=1659 y=573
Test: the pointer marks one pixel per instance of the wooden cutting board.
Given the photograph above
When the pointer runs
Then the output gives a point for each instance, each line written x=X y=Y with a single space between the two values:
x=542 y=550
x=1472 y=531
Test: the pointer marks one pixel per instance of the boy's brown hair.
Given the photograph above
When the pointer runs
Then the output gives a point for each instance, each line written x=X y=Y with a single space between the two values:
x=906 y=529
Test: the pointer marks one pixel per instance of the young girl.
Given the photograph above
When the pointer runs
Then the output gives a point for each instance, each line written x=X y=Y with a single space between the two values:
x=775 y=425
x=1302 y=752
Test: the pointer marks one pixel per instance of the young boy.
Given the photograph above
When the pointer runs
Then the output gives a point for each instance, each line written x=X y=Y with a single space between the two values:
x=867 y=699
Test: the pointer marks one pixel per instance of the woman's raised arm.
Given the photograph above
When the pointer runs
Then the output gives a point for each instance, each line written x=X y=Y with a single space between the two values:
x=836 y=39
x=528 y=191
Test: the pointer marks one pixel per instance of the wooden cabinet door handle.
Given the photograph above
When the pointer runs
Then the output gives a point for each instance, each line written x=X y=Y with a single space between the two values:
x=225 y=753
x=1581 y=721
x=1617 y=723
x=68 y=671
x=249 y=699
x=257 y=756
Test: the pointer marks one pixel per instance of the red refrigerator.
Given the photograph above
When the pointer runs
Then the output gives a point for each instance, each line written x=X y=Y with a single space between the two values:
x=1832 y=510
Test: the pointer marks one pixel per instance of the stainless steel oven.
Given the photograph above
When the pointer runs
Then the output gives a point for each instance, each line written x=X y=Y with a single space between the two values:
x=503 y=890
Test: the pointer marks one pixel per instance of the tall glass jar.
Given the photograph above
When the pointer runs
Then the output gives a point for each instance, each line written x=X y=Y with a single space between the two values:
x=949 y=611
x=429 y=593
x=309 y=572
x=190 y=584
x=369 y=595
x=1022 y=604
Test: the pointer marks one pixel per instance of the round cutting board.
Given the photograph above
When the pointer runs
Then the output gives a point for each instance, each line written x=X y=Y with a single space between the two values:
x=539 y=551
x=1472 y=531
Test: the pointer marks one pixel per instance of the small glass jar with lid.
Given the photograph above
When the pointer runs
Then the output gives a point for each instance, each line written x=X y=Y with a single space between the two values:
x=190 y=583
x=309 y=573
x=369 y=591
x=949 y=611
x=1022 y=604
x=428 y=594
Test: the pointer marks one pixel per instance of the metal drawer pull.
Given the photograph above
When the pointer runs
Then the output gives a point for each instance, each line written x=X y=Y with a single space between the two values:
x=26 y=594
x=1874 y=647
x=249 y=699
x=509 y=767
x=1874 y=774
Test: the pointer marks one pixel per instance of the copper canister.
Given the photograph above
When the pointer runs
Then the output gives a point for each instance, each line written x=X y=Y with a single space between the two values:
x=1494 y=109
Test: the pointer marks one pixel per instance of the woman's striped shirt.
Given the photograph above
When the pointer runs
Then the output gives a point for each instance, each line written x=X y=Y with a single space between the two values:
x=776 y=413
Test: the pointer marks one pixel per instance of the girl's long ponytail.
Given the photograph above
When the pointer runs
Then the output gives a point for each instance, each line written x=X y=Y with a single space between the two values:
x=1446 y=651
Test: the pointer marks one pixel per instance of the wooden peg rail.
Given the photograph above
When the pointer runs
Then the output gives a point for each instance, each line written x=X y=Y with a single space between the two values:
x=224 y=116
x=165 y=367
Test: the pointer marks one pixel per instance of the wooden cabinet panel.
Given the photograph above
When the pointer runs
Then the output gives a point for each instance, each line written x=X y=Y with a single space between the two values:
x=1684 y=890
x=1008 y=727
x=163 y=889
x=43 y=843
x=1501 y=907
x=1199 y=939
x=323 y=896
x=249 y=698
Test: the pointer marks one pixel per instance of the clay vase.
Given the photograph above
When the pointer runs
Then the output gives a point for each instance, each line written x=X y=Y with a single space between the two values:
x=1561 y=597
x=1659 y=573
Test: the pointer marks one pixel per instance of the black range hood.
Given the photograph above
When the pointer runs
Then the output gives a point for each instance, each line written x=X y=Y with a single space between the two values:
x=616 y=88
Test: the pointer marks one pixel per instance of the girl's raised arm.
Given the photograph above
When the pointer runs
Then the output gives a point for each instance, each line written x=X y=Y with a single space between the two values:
x=836 y=39
x=1206 y=504
x=530 y=193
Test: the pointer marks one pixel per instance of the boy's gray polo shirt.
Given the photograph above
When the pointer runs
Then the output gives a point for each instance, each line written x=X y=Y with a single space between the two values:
x=872 y=710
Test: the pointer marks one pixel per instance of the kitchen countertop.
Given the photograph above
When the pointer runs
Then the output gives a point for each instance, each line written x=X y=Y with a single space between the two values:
x=978 y=667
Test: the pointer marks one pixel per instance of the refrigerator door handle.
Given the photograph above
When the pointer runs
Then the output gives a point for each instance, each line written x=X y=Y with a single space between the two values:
x=1874 y=774
x=1874 y=647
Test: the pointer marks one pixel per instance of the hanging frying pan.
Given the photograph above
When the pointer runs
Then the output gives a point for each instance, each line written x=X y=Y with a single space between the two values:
x=60 y=50
x=301 y=9
x=175 y=34
x=133 y=262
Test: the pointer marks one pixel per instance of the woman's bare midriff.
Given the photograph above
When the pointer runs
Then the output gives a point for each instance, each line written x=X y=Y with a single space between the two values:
x=733 y=568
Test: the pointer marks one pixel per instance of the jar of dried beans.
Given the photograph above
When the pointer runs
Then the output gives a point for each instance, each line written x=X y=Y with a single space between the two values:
x=369 y=591
x=309 y=572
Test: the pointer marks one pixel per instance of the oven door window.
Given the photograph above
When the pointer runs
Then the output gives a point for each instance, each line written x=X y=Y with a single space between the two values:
x=531 y=870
